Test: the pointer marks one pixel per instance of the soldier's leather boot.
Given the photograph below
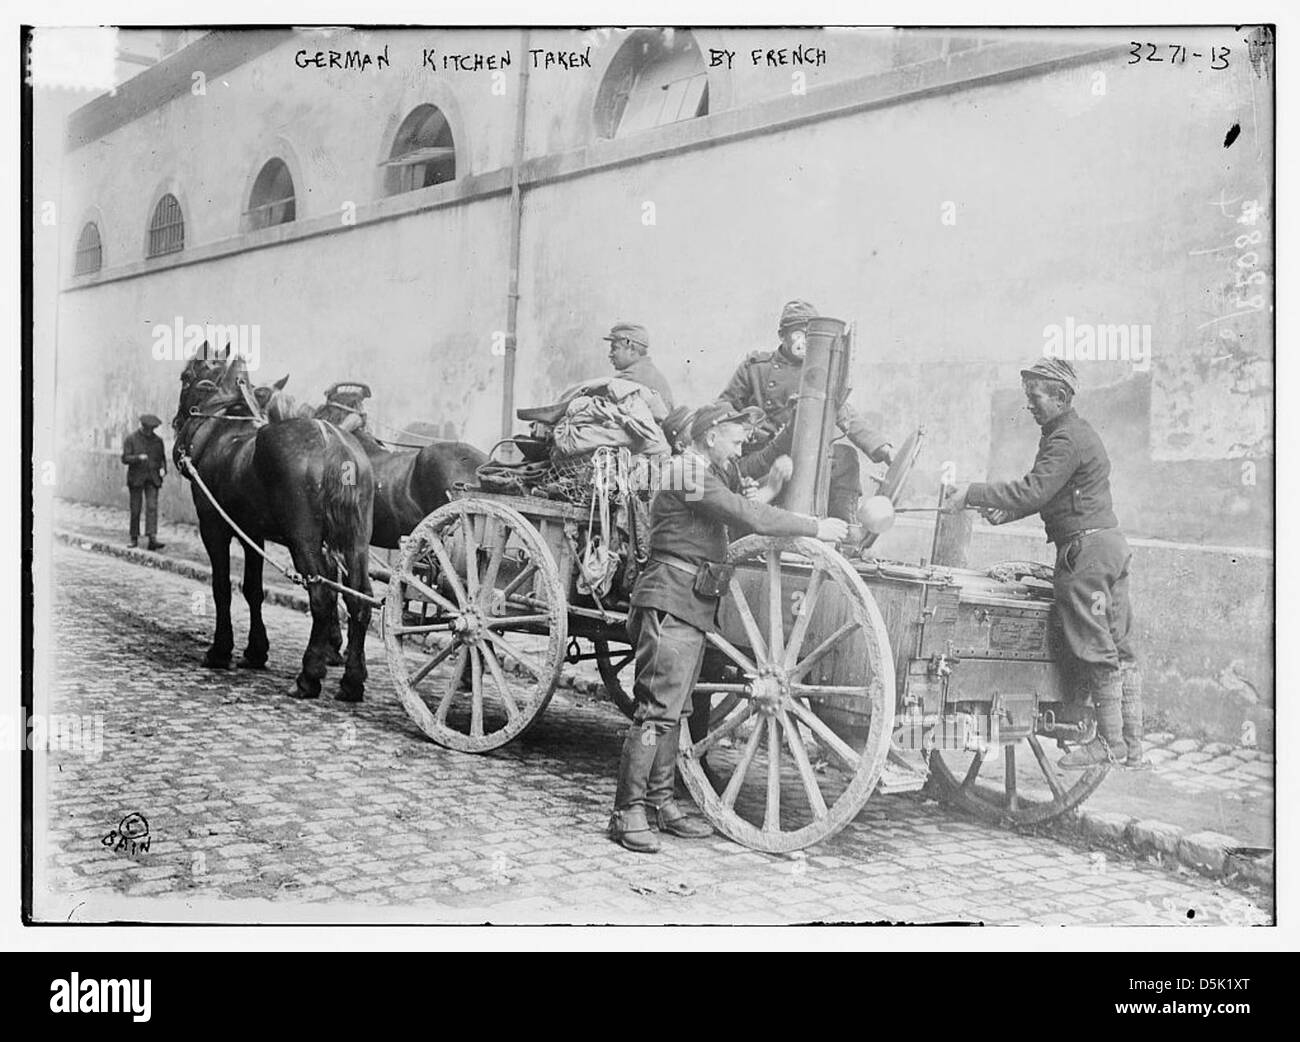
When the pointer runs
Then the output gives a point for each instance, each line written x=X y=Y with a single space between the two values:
x=659 y=794
x=628 y=824
x=630 y=828
x=134 y=542
x=1130 y=678
x=1108 y=746
x=154 y=544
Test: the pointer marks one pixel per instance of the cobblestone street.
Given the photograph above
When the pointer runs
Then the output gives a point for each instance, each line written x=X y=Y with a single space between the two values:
x=339 y=812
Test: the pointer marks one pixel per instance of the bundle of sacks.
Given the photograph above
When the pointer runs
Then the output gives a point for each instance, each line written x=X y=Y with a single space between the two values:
x=609 y=412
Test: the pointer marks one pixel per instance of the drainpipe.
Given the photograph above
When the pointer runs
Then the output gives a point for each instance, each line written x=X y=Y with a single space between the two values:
x=516 y=220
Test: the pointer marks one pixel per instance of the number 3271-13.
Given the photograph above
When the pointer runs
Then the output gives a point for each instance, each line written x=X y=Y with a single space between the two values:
x=1177 y=54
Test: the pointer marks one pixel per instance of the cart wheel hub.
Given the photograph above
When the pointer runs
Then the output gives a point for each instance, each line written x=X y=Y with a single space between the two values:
x=767 y=691
x=468 y=626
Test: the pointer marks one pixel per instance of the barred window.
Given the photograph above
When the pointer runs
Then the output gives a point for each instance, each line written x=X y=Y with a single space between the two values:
x=167 y=228
x=272 y=199
x=90 y=251
x=423 y=152
x=658 y=77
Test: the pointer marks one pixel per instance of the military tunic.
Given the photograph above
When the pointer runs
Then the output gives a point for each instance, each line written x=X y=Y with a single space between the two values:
x=646 y=373
x=690 y=524
x=770 y=379
x=1069 y=487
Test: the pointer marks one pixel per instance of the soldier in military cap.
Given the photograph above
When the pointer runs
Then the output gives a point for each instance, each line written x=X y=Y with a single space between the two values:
x=676 y=428
x=146 y=465
x=629 y=347
x=770 y=380
x=1069 y=487
x=674 y=602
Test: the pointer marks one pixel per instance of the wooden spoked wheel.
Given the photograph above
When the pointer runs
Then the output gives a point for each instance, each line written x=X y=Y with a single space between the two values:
x=617 y=667
x=1015 y=783
x=475 y=623
x=813 y=638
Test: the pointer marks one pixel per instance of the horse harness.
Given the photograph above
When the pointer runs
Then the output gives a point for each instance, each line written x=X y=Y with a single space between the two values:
x=186 y=464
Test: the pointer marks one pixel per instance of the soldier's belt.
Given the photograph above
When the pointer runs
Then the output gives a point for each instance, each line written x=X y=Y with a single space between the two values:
x=710 y=578
x=673 y=561
x=1079 y=535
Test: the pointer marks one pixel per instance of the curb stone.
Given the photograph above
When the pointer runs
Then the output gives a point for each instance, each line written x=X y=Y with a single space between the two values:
x=1206 y=851
x=1209 y=853
x=153 y=559
x=1105 y=825
x=1152 y=836
x=282 y=598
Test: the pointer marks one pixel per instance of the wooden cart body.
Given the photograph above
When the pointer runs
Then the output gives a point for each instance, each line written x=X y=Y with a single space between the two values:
x=921 y=673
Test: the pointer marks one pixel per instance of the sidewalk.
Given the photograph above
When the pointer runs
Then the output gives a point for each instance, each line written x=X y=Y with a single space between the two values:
x=1209 y=806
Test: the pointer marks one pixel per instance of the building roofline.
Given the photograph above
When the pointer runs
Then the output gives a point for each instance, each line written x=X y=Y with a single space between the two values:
x=214 y=54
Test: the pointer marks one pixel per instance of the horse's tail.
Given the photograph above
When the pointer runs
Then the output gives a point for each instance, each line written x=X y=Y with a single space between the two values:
x=347 y=493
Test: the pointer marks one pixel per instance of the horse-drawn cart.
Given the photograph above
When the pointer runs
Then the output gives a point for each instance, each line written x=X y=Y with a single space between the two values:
x=832 y=673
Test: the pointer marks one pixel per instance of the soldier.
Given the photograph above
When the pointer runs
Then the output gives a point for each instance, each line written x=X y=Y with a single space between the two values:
x=674 y=602
x=770 y=380
x=629 y=345
x=1069 y=486
x=676 y=427
x=146 y=465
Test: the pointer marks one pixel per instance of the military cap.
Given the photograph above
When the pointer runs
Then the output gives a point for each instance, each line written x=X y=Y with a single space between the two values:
x=148 y=419
x=796 y=312
x=709 y=416
x=676 y=423
x=629 y=331
x=1053 y=369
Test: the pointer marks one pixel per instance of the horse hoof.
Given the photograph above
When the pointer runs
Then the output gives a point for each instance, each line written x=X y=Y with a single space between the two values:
x=299 y=692
x=248 y=663
x=216 y=663
x=347 y=695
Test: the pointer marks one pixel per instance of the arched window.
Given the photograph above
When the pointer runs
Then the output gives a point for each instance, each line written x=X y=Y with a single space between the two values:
x=167 y=228
x=271 y=201
x=423 y=152
x=90 y=251
x=657 y=77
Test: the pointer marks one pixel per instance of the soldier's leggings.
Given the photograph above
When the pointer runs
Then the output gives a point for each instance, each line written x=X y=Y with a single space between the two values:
x=669 y=653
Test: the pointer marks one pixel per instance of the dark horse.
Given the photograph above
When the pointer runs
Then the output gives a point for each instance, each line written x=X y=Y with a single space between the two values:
x=409 y=483
x=301 y=483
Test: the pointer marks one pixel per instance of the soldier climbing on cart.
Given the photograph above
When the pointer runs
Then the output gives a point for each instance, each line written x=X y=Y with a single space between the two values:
x=770 y=381
x=674 y=602
x=629 y=349
x=1069 y=486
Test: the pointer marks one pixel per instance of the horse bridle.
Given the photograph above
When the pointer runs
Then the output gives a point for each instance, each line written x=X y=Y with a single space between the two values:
x=184 y=446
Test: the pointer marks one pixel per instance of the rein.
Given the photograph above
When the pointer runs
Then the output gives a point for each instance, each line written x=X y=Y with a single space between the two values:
x=384 y=443
x=186 y=464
